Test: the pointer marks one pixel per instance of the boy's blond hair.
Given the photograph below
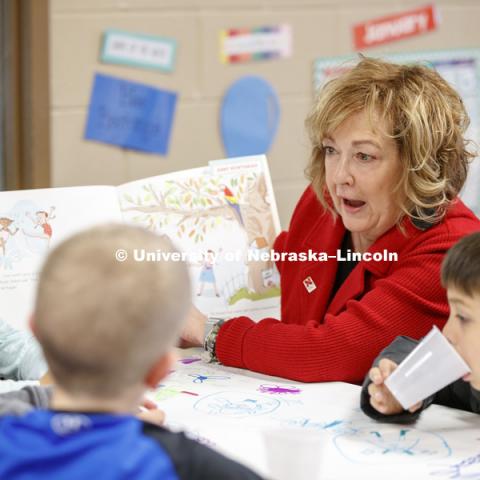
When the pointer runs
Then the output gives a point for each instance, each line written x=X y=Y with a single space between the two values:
x=102 y=322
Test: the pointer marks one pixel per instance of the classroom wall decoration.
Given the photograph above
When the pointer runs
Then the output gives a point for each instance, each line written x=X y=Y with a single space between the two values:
x=130 y=114
x=460 y=67
x=138 y=50
x=395 y=27
x=260 y=43
x=249 y=117
x=204 y=67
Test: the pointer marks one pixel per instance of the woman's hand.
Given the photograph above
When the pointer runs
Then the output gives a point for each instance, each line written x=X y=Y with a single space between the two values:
x=194 y=330
x=381 y=399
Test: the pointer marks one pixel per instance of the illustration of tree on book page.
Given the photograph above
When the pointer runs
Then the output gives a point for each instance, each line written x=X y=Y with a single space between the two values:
x=225 y=218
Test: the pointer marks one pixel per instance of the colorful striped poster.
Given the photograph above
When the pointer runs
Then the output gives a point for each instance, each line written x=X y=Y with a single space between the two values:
x=239 y=45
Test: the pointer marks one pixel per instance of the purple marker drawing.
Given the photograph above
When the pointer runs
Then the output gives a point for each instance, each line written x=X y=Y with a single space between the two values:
x=277 y=389
x=189 y=360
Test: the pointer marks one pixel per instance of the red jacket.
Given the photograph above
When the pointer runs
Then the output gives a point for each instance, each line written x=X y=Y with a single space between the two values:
x=318 y=341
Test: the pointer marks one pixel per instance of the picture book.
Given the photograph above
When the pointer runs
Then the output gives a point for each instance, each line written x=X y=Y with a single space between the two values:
x=222 y=217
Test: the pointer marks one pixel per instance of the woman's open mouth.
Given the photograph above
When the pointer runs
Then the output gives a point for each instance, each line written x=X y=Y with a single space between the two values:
x=352 y=206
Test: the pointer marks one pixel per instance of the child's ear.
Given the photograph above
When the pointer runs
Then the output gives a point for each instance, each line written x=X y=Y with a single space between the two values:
x=160 y=369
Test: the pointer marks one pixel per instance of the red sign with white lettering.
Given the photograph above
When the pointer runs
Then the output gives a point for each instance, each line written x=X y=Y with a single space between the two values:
x=395 y=27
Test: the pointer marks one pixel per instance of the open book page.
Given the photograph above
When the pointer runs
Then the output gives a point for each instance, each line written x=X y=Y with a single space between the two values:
x=224 y=218
x=31 y=223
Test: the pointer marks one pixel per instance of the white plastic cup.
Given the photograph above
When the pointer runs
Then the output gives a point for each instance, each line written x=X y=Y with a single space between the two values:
x=293 y=454
x=432 y=365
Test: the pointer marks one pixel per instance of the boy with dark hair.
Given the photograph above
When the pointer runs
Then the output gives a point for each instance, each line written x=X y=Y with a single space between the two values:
x=461 y=277
x=107 y=328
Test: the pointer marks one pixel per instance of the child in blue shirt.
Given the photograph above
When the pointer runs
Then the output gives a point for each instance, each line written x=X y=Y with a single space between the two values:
x=107 y=328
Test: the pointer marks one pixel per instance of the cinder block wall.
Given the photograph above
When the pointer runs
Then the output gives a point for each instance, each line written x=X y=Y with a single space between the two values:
x=320 y=28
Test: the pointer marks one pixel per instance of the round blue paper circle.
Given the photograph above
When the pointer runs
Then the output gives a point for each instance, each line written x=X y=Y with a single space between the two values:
x=249 y=117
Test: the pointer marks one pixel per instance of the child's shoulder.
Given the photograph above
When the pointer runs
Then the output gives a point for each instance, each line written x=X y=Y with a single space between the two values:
x=194 y=460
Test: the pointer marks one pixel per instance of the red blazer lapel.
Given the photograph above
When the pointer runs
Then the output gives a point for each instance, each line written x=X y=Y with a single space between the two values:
x=393 y=241
x=322 y=274
x=352 y=287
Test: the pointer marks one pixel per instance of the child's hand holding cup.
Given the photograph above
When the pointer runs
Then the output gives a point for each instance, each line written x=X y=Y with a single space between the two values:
x=432 y=365
x=381 y=399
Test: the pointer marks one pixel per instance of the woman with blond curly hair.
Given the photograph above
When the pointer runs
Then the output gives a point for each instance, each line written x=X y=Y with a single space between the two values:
x=388 y=161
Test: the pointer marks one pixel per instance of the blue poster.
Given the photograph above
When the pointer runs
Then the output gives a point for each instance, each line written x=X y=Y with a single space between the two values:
x=130 y=114
x=249 y=117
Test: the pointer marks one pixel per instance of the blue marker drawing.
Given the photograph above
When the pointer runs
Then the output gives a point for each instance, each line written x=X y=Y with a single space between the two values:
x=335 y=426
x=467 y=468
x=198 y=378
x=362 y=445
x=236 y=404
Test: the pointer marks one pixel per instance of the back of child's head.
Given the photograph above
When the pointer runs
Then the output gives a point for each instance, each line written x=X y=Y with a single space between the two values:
x=103 y=322
x=461 y=266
